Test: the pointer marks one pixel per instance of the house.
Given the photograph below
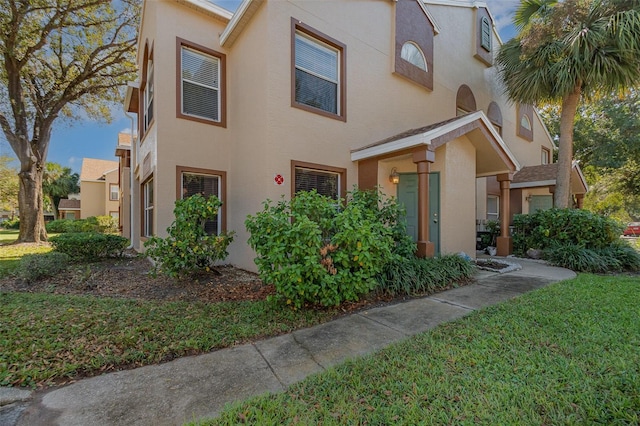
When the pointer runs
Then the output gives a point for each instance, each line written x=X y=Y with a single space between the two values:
x=282 y=96
x=99 y=189
x=69 y=209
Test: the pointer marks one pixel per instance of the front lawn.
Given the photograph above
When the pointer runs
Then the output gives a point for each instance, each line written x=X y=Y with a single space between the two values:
x=47 y=338
x=10 y=254
x=566 y=354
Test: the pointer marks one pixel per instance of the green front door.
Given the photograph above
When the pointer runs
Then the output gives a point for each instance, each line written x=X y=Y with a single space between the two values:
x=408 y=195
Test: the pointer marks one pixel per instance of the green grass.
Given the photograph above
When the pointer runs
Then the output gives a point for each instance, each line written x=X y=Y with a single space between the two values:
x=566 y=354
x=46 y=338
x=10 y=255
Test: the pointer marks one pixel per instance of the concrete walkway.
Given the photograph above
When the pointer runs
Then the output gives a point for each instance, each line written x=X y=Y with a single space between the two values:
x=195 y=387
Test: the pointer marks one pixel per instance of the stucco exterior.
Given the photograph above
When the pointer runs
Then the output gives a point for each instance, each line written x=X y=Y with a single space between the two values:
x=264 y=132
x=97 y=179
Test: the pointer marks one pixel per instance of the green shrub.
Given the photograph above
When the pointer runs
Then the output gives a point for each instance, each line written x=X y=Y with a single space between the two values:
x=99 y=224
x=12 y=223
x=546 y=228
x=89 y=246
x=315 y=251
x=411 y=276
x=58 y=226
x=189 y=248
x=35 y=266
x=617 y=257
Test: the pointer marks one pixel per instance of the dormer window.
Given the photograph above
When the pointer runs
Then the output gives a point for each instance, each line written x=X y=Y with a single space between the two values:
x=412 y=54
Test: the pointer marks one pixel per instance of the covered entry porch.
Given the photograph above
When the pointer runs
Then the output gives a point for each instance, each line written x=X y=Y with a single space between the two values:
x=459 y=150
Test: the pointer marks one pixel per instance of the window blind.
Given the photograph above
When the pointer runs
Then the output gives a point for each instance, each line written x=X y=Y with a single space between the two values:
x=200 y=85
x=325 y=183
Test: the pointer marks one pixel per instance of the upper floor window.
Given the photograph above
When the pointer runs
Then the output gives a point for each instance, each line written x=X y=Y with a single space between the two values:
x=412 y=54
x=465 y=101
x=201 y=84
x=148 y=97
x=114 y=192
x=495 y=117
x=318 y=72
x=525 y=121
x=546 y=156
x=485 y=34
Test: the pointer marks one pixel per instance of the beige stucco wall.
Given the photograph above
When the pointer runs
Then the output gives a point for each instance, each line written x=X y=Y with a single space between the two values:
x=93 y=198
x=264 y=133
x=111 y=178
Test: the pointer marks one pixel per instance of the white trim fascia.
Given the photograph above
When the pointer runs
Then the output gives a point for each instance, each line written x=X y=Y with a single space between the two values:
x=533 y=184
x=436 y=28
x=93 y=180
x=111 y=170
x=205 y=6
x=235 y=19
x=127 y=97
x=426 y=138
x=471 y=5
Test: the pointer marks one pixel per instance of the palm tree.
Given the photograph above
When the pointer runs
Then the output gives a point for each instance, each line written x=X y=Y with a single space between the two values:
x=566 y=50
x=57 y=183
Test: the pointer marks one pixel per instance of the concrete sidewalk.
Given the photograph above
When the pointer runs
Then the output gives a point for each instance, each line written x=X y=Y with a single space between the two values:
x=195 y=387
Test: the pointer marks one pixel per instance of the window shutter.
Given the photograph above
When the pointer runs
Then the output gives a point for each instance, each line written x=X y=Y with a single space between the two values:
x=200 y=85
x=485 y=34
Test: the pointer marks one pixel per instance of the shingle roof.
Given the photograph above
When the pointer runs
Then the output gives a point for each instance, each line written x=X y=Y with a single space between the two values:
x=544 y=172
x=66 y=204
x=93 y=169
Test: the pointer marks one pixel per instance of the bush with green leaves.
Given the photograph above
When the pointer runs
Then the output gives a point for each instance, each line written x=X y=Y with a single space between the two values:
x=412 y=276
x=546 y=228
x=100 y=224
x=11 y=223
x=188 y=247
x=617 y=257
x=35 y=266
x=89 y=246
x=316 y=250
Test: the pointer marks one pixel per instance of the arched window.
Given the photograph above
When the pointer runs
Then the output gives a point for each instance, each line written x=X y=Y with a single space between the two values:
x=525 y=123
x=412 y=54
x=465 y=101
x=495 y=116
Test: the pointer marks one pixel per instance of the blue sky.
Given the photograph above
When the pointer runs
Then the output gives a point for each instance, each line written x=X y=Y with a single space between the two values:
x=72 y=142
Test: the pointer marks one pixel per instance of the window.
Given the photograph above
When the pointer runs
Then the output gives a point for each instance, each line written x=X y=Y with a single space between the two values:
x=201 y=84
x=465 y=101
x=412 y=54
x=495 y=117
x=115 y=215
x=493 y=204
x=546 y=156
x=318 y=72
x=485 y=34
x=147 y=203
x=70 y=215
x=525 y=122
x=328 y=181
x=148 y=97
x=205 y=185
x=114 y=192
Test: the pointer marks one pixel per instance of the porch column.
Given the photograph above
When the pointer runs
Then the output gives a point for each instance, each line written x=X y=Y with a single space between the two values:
x=423 y=159
x=580 y=200
x=504 y=241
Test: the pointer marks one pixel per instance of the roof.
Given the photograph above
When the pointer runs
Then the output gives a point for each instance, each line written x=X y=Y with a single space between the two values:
x=546 y=175
x=66 y=204
x=94 y=169
x=493 y=156
x=124 y=139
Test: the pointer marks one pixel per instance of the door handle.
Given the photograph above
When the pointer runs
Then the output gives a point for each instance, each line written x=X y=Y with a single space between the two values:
x=435 y=218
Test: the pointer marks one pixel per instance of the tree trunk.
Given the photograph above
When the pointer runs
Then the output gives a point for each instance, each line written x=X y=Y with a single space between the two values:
x=30 y=202
x=562 y=196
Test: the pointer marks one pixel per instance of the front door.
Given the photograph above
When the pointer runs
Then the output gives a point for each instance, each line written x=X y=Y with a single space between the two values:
x=408 y=196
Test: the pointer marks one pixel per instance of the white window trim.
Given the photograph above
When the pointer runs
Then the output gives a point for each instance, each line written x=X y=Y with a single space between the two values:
x=492 y=215
x=111 y=192
x=424 y=59
x=148 y=96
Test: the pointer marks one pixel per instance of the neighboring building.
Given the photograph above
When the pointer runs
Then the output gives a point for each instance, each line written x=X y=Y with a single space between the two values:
x=123 y=152
x=69 y=209
x=99 y=188
x=282 y=96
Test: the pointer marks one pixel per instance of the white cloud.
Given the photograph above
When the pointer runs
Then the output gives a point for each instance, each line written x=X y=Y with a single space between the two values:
x=74 y=161
x=127 y=130
x=503 y=11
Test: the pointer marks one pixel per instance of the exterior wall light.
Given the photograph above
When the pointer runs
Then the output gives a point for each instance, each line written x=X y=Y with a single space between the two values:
x=394 y=177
